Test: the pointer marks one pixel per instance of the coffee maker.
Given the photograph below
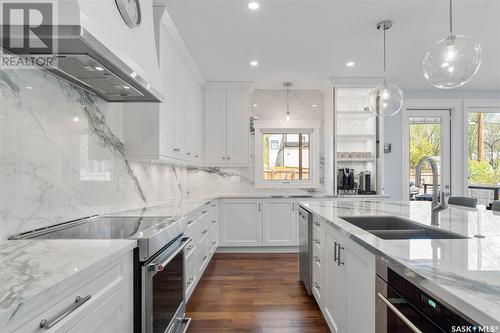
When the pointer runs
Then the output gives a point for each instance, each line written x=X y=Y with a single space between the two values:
x=345 y=181
x=365 y=183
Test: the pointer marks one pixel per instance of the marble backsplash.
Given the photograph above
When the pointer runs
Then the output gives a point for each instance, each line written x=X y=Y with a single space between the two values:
x=61 y=158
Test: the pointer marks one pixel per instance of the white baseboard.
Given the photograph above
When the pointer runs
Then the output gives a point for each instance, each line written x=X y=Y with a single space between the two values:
x=267 y=249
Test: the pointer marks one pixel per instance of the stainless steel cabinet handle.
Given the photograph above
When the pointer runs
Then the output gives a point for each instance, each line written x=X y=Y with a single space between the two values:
x=317 y=224
x=189 y=248
x=188 y=154
x=260 y=206
x=316 y=285
x=335 y=252
x=190 y=281
x=228 y=158
x=223 y=158
x=293 y=207
x=401 y=316
x=301 y=215
x=215 y=242
x=203 y=212
x=190 y=222
x=316 y=259
x=204 y=258
x=195 y=156
x=204 y=232
x=49 y=323
x=214 y=205
x=316 y=241
x=214 y=221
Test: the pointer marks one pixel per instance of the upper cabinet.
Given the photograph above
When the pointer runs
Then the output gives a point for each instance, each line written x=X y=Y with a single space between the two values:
x=171 y=130
x=227 y=124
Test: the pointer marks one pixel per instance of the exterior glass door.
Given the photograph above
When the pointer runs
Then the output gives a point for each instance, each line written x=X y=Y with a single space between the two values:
x=429 y=135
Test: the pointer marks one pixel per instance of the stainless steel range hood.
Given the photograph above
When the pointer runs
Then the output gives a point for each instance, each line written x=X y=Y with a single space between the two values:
x=85 y=62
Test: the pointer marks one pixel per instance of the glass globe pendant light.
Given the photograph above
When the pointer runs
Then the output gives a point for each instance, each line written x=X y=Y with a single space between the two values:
x=287 y=85
x=452 y=62
x=386 y=99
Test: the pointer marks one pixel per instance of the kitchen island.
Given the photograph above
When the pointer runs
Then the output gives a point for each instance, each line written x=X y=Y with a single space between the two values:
x=465 y=273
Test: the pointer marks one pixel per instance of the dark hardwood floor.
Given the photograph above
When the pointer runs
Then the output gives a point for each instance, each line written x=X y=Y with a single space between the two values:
x=253 y=293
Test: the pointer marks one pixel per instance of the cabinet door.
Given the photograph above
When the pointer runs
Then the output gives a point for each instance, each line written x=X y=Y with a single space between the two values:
x=215 y=127
x=279 y=223
x=114 y=315
x=192 y=119
x=238 y=127
x=178 y=102
x=334 y=285
x=167 y=65
x=360 y=273
x=241 y=223
x=197 y=122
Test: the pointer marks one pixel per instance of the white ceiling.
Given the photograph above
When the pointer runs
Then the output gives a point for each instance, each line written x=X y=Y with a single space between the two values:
x=307 y=41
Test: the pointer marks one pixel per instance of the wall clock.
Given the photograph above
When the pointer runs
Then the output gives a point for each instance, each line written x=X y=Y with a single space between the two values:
x=130 y=11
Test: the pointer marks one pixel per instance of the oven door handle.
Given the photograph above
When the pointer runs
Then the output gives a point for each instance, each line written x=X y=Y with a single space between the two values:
x=158 y=267
x=398 y=313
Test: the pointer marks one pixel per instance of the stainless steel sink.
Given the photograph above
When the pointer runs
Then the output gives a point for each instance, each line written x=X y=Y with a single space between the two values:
x=393 y=227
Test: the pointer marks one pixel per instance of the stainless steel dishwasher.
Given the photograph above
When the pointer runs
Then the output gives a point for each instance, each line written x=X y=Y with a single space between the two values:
x=305 y=248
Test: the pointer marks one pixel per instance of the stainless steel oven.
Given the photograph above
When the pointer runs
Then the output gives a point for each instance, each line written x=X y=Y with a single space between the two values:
x=163 y=303
x=401 y=307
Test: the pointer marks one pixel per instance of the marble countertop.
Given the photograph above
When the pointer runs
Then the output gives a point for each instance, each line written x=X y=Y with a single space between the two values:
x=463 y=272
x=32 y=270
x=181 y=207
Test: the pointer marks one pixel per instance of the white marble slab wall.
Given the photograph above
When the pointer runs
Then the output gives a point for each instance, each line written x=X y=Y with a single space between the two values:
x=61 y=157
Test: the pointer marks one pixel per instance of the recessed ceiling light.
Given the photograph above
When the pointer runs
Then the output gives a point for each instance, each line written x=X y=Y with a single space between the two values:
x=254 y=63
x=126 y=87
x=76 y=119
x=29 y=88
x=315 y=105
x=253 y=5
x=99 y=68
x=255 y=105
x=350 y=64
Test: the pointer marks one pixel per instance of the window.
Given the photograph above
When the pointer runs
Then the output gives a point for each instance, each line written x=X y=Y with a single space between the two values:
x=484 y=154
x=286 y=157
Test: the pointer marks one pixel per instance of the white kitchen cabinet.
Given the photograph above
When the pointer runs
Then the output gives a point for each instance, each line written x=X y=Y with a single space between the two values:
x=349 y=285
x=238 y=127
x=227 y=125
x=215 y=127
x=241 y=223
x=172 y=129
x=279 y=223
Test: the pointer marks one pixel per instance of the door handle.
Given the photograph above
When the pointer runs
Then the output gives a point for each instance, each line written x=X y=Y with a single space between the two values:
x=79 y=301
x=398 y=313
x=158 y=267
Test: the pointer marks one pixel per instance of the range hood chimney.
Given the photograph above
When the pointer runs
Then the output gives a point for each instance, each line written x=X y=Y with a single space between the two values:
x=85 y=60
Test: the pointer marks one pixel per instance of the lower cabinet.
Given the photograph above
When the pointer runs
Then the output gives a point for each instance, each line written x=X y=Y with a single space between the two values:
x=203 y=228
x=258 y=222
x=108 y=308
x=241 y=223
x=347 y=291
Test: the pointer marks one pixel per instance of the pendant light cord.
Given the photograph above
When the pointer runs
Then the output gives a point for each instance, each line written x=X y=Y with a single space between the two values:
x=451 y=18
x=385 y=58
x=287 y=103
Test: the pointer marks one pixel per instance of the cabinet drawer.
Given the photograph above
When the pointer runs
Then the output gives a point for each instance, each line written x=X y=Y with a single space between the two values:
x=191 y=278
x=317 y=224
x=100 y=286
x=317 y=284
x=115 y=315
x=190 y=252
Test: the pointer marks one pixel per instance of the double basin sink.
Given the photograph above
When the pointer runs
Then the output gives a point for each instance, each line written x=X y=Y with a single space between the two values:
x=393 y=227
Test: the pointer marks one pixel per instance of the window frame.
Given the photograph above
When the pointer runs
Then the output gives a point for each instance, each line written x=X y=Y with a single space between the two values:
x=289 y=127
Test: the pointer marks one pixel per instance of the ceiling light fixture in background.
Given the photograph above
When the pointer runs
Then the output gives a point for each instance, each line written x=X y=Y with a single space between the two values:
x=254 y=63
x=453 y=61
x=253 y=5
x=287 y=85
x=387 y=98
x=350 y=64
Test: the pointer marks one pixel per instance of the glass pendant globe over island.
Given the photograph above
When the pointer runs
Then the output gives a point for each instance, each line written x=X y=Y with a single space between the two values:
x=452 y=62
x=386 y=100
